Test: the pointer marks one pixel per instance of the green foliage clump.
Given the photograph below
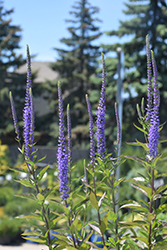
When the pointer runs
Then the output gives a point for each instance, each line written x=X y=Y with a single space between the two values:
x=6 y=195
x=10 y=228
x=18 y=207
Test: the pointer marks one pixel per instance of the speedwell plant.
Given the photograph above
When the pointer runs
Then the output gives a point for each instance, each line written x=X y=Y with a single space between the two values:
x=95 y=192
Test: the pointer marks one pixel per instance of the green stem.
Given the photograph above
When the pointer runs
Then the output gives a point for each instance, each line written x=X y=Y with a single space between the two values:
x=114 y=207
x=98 y=213
x=150 y=207
x=69 y=223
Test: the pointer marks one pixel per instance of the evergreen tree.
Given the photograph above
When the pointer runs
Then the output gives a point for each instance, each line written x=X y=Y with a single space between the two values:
x=148 y=17
x=76 y=64
x=9 y=60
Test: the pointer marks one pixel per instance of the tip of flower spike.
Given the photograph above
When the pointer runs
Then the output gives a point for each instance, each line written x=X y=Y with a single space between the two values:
x=102 y=55
x=68 y=107
x=28 y=51
x=147 y=38
x=10 y=94
x=152 y=55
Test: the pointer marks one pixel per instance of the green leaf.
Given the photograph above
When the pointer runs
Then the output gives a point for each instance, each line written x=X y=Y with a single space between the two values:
x=150 y=217
x=96 y=229
x=93 y=201
x=35 y=239
x=31 y=216
x=145 y=190
x=42 y=172
x=135 y=206
x=25 y=183
x=143 y=145
x=160 y=189
x=101 y=200
x=74 y=225
x=85 y=240
x=142 y=130
x=103 y=224
x=33 y=233
x=145 y=240
x=112 y=216
x=116 y=183
x=40 y=198
x=26 y=196
x=162 y=208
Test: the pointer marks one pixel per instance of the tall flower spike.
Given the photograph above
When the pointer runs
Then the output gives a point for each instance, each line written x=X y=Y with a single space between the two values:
x=154 y=126
x=149 y=80
x=69 y=136
x=32 y=121
x=16 y=126
x=118 y=127
x=28 y=112
x=91 y=132
x=62 y=155
x=100 y=122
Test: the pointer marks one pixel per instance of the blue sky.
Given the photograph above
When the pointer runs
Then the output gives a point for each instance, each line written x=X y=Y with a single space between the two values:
x=43 y=23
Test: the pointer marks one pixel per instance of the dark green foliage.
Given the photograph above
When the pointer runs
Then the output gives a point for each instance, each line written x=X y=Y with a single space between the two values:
x=143 y=17
x=9 y=61
x=75 y=65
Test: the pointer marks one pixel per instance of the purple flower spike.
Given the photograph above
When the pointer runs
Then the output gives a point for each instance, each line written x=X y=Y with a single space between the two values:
x=149 y=80
x=91 y=131
x=32 y=121
x=69 y=137
x=62 y=155
x=28 y=111
x=154 y=126
x=100 y=123
x=16 y=126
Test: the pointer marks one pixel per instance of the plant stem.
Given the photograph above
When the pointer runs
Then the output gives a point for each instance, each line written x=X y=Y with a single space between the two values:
x=114 y=206
x=69 y=223
x=98 y=213
x=150 y=208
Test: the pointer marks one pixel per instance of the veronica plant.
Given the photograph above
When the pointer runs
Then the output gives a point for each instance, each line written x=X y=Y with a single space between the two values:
x=34 y=175
x=148 y=233
x=103 y=176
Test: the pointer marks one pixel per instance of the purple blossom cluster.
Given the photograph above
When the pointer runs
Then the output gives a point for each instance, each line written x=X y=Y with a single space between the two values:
x=100 y=122
x=153 y=101
x=154 y=122
x=62 y=155
x=91 y=131
x=28 y=112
